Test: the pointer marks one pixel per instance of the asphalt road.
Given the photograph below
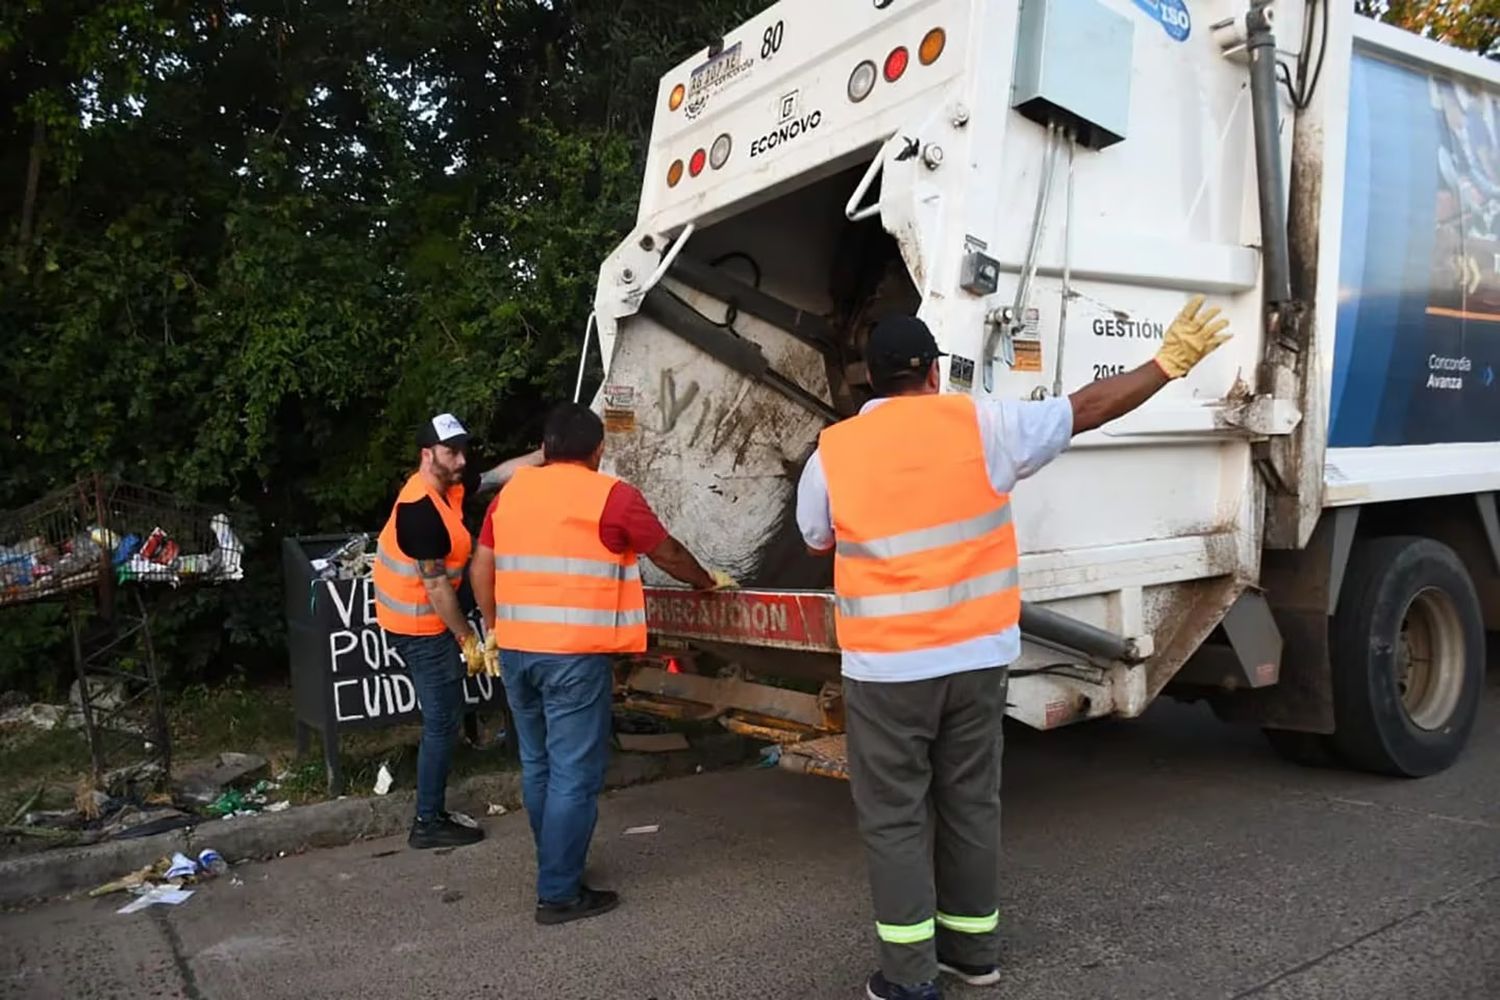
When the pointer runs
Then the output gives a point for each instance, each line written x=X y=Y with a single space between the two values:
x=1169 y=857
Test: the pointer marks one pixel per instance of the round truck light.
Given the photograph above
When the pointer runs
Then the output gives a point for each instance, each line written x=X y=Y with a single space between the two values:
x=861 y=81
x=718 y=153
x=932 y=46
x=695 y=165
x=675 y=101
x=674 y=173
x=896 y=63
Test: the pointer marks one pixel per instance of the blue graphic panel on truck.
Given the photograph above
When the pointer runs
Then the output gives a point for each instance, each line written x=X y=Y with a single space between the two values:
x=1417 y=348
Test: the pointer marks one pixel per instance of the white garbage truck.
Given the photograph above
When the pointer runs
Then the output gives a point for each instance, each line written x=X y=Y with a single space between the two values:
x=1303 y=532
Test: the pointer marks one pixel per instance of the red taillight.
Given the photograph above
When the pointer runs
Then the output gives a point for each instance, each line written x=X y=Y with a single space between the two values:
x=895 y=63
x=695 y=165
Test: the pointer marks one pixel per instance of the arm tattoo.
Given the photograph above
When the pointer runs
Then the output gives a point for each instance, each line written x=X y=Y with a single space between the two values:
x=431 y=569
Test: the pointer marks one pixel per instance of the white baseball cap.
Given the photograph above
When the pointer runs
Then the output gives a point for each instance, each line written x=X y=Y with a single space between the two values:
x=443 y=429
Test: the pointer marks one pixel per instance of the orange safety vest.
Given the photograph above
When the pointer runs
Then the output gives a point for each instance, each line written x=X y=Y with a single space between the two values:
x=400 y=598
x=558 y=589
x=925 y=552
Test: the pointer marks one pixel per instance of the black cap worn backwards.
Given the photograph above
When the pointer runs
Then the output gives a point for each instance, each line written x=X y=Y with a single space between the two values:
x=900 y=344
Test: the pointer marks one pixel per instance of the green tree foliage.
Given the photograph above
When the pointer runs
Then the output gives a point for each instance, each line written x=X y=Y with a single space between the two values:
x=1467 y=24
x=249 y=245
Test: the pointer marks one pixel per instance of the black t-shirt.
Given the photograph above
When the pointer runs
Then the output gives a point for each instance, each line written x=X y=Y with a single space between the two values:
x=420 y=531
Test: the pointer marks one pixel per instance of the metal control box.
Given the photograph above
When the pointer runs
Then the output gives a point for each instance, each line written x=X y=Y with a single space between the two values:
x=1073 y=64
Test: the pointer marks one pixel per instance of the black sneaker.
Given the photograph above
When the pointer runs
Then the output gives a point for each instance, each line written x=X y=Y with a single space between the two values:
x=880 y=988
x=442 y=832
x=590 y=903
x=973 y=975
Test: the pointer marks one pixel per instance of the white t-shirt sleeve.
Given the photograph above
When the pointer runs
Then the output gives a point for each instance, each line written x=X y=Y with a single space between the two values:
x=814 y=515
x=1022 y=436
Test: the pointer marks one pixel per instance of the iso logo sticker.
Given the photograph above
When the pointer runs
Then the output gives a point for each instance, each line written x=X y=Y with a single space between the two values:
x=1172 y=15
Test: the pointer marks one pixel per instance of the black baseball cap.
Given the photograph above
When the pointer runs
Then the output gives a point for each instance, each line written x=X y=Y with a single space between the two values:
x=900 y=344
x=443 y=429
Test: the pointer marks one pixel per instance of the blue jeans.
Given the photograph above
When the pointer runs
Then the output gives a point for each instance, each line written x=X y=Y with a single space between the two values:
x=437 y=672
x=560 y=706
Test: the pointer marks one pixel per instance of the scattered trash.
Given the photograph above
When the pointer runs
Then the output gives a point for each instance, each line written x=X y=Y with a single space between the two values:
x=231 y=803
x=182 y=867
x=130 y=822
x=90 y=802
x=166 y=895
x=134 y=780
x=236 y=881
x=55 y=818
x=464 y=819
x=383 y=780
x=496 y=809
x=281 y=806
x=350 y=561
x=134 y=880
x=651 y=742
x=36 y=716
x=230 y=550
x=770 y=756
x=634 y=830
x=212 y=862
x=201 y=782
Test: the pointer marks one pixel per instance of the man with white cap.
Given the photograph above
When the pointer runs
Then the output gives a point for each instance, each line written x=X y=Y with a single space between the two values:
x=420 y=562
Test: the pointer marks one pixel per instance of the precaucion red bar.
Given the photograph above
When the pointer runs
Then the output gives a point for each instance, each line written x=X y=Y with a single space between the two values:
x=783 y=619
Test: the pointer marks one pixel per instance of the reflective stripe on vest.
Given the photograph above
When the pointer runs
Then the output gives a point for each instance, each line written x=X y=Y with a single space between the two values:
x=915 y=602
x=401 y=602
x=569 y=616
x=596 y=568
x=558 y=588
x=924 y=545
x=926 y=538
x=395 y=565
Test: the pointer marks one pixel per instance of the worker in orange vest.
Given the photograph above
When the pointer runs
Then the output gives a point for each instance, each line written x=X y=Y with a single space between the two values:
x=557 y=579
x=420 y=560
x=911 y=497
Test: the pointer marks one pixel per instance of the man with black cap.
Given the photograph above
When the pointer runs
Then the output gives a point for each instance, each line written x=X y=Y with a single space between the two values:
x=420 y=561
x=911 y=497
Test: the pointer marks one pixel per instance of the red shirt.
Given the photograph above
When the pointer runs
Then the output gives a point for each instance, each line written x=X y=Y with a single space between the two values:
x=627 y=525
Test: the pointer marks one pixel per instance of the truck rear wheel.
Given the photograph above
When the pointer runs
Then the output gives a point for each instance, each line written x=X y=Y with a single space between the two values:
x=1407 y=650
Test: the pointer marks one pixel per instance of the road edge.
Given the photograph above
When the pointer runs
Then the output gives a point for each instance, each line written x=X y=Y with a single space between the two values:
x=47 y=875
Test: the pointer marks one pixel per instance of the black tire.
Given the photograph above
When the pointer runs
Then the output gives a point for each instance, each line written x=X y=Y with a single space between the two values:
x=1307 y=749
x=1408 y=628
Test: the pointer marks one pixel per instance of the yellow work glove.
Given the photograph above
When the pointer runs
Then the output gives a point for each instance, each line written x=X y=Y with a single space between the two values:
x=491 y=656
x=473 y=654
x=1193 y=336
x=722 y=580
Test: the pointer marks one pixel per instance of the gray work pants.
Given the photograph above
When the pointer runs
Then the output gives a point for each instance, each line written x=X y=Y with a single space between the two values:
x=924 y=766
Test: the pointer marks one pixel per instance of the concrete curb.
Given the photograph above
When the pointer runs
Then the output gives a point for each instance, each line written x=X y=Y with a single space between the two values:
x=55 y=873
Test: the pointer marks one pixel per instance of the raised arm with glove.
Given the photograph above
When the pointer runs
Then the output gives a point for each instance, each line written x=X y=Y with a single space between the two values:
x=1194 y=335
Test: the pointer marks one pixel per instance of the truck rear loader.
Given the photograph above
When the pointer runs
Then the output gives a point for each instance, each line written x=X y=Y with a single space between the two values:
x=1303 y=532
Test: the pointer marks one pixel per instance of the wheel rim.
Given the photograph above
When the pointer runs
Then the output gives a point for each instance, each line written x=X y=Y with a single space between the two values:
x=1430 y=659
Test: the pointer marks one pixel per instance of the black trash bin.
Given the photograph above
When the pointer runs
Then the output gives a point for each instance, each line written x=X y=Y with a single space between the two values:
x=346 y=674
